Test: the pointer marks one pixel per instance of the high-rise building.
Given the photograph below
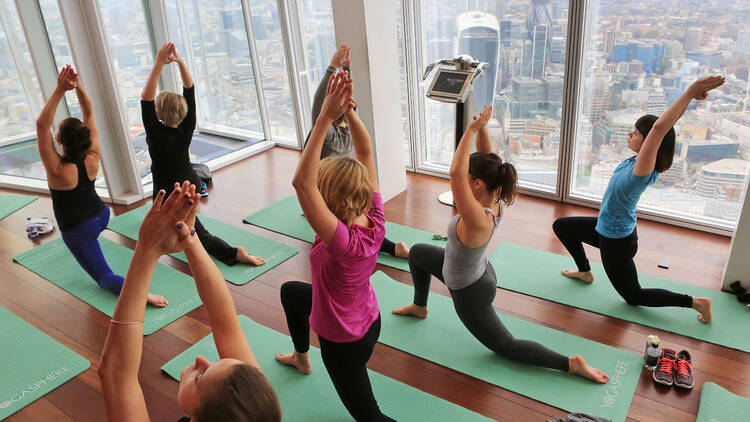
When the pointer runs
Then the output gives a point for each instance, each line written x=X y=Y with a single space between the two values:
x=609 y=41
x=541 y=50
x=743 y=42
x=693 y=38
x=478 y=36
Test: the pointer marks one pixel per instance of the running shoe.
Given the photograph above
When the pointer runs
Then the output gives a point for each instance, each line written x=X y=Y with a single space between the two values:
x=39 y=226
x=684 y=376
x=664 y=373
x=204 y=189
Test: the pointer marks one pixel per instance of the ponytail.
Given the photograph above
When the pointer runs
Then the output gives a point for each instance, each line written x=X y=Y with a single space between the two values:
x=75 y=138
x=500 y=178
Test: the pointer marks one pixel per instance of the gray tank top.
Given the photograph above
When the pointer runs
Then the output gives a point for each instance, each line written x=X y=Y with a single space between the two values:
x=463 y=265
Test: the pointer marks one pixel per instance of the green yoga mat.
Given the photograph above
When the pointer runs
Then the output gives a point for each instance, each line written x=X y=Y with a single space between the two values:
x=537 y=273
x=54 y=262
x=284 y=216
x=12 y=203
x=33 y=364
x=273 y=252
x=720 y=405
x=313 y=397
x=443 y=339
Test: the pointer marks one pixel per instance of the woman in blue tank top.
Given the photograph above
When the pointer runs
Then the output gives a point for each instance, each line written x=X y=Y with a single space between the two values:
x=79 y=211
x=614 y=230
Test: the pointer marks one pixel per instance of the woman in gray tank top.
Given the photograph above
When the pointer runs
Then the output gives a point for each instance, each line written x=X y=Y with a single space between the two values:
x=481 y=183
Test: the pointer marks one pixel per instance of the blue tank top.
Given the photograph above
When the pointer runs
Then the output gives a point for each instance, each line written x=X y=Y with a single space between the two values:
x=617 y=213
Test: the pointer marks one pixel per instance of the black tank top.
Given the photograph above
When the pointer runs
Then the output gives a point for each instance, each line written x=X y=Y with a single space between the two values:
x=74 y=206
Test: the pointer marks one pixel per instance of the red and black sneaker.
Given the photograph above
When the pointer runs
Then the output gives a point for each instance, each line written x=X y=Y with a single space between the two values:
x=684 y=376
x=664 y=373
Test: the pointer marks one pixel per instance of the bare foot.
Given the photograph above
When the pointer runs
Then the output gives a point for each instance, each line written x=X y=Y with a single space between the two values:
x=298 y=360
x=412 y=310
x=703 y=306
x=579 y=367
x=402 y=251
x=246 y=258
x=156 y=300
x=587 y=276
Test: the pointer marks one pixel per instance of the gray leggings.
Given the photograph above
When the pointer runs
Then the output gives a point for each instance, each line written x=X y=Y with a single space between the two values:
x=474 y=307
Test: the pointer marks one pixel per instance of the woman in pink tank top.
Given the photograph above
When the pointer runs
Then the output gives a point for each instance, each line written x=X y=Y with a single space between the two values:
x=340 y=198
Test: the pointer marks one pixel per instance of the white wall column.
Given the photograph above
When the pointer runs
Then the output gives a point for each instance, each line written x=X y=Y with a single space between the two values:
x=88 y=42
x=738 y=265
x=369 y=27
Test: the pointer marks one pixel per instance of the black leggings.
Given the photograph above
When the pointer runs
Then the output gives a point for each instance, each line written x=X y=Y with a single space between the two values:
x=617 y=258
x=346 y=363
x=474 y=307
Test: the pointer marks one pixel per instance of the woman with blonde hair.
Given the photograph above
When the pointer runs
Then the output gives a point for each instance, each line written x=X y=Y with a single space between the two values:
x=169 y=123
x=79 y=211
x=232 y=389
x=341 y=199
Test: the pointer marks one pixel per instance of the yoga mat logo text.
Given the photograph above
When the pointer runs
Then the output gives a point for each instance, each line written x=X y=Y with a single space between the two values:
x=614 y=384
x=32 y=388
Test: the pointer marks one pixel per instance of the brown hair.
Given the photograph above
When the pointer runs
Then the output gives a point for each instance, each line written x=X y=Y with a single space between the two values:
x=345 y=186
x=500 y=178
x=244 y=396
x=75 y=138
x=665 y=155
x=170 y=108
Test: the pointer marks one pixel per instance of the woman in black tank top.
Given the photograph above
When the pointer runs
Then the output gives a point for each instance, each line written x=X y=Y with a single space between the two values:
x=79 y=211
x=169 y=123
x=230 y=389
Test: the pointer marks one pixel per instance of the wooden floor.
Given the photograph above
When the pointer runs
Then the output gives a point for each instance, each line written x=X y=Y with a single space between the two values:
x=696 y=258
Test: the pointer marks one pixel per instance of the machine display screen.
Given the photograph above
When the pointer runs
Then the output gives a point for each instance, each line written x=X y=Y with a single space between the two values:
x=450 y=82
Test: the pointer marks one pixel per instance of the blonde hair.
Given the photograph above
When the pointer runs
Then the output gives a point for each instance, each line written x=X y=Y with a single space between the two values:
x=345 y=186
x=170 y=108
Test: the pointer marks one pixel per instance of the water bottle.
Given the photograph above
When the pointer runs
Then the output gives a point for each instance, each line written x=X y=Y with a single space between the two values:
x=652 y=353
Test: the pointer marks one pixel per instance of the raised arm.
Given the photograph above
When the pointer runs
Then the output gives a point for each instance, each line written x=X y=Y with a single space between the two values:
x=187 y=78
x=471 y=211
x=339 y=59
x=52 y=161
x=163 y=57
x=646 y=160
x=337 y=101
x=87 y=113
x=362 y=146
x=484 y=143
x=121 y=356
x=228 y=336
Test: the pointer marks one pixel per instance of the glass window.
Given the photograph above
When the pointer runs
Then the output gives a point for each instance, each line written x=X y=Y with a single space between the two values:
x=62 y=55
x=132 y=59
x=273 y=68
x=319 y=37
x=212 y=39
x=524 y=43
x=405 y=126
x=21 y=100
x=641 y=65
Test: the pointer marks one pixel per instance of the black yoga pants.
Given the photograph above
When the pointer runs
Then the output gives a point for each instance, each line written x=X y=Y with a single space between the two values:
x=346 y=363
x=617 y=258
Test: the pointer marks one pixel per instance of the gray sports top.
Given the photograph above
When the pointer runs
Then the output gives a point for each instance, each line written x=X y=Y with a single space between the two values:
x=463 y=265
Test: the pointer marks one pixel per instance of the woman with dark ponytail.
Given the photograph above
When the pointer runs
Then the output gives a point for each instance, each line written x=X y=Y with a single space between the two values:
x=614 y=230
x=481 y=184
x=79 y=211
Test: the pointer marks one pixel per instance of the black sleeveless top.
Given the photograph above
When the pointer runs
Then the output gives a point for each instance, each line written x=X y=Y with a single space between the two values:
x=74 y=206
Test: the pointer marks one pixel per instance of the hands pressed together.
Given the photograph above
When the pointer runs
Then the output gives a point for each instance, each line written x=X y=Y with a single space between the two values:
x=67 y=79
x=480 y=122
x=338 y=97
x=168 y=54
x=699 y=89
x=169 y=225
x=341 y=58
